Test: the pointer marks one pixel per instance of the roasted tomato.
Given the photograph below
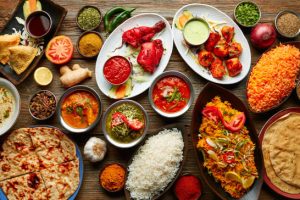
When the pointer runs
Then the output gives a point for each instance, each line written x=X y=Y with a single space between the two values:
x=234 y=49
x=217 y=69
x=221 y=49
x=59 y=50
x=228 y=157
x=234 y=66
x=237 y=123
x=227 y=32
x=205 y=58
x=135 y=124
x=118 y=118
x=213 y=113
x=211 y=42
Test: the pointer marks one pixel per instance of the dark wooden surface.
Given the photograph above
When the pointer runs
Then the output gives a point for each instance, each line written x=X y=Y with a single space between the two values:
x=90 y=188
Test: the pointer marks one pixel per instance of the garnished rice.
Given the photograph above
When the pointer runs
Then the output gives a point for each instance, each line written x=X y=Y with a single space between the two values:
x=273 y=77
x=155 y=165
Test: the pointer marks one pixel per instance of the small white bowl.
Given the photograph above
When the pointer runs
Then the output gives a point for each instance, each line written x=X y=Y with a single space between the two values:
x=9 y=123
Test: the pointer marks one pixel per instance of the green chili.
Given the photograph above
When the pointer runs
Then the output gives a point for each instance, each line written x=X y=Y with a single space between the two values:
x=119 y=19
x=110 y=13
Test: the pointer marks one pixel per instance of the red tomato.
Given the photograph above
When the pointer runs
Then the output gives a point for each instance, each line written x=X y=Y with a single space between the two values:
x=212 y=113
x=237 y=123
x=135 y=124
x=228 y=157
x=59 y=50
x=118 y=118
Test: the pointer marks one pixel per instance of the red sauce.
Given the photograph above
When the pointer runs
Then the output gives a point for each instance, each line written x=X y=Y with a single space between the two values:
x=171 y=94
x=38 y=25
x=116 y=70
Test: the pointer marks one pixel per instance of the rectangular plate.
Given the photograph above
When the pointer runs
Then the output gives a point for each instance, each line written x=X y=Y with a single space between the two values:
x=57 y=14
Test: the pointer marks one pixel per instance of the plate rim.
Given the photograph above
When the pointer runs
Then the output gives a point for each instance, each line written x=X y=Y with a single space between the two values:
x=200 y=74
x=168 y=26
x=274 y=118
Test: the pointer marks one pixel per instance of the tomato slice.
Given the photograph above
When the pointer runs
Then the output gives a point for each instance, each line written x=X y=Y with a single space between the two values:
x=118 y=118
x=59 y=50
x=212 y=113
x=237 y=123
x=135 y=124
x=228 y=157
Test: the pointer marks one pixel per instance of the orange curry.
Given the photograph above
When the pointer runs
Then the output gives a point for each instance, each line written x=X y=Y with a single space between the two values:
x=80 y=109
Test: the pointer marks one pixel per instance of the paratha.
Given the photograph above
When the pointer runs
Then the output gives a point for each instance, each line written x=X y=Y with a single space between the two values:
x=7 y=41
x=29 y=186
x=21 y=57
x=62 y=180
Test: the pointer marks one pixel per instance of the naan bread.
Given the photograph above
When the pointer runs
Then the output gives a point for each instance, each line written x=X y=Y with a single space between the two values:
x=29 y=186
x=62 y=180
x=266 y=149
x=19 y=141
x=7 y=41
x=21 y=57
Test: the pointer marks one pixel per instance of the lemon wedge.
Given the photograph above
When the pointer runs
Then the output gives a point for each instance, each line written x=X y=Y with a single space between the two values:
x=233 y=176
x=247 y=182
x=43 y=76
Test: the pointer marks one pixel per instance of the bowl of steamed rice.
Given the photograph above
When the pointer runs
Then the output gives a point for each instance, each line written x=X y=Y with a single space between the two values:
x=156 y=164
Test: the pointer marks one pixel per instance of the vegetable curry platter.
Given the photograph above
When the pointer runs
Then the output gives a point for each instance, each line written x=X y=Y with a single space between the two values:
x=96 y=104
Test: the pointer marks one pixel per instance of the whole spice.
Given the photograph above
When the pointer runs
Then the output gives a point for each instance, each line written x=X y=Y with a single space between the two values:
x=90 y=44
x=247 y=13
x=112 y=178
x=89 y=18
x=42 y=105
x=95 y=149
x=288 y=24
x=188 y=187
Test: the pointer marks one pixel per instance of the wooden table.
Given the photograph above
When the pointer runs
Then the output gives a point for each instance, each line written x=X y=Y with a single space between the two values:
x=90 y=188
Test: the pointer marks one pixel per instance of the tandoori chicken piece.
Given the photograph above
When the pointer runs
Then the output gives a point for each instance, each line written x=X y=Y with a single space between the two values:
x=212 y=40
x=150 y=55
x=217 y=69
x=234 y=67
x=221 y=49
x=137 y=36
x=234 y=49
x=228 y=33
x=205 y=58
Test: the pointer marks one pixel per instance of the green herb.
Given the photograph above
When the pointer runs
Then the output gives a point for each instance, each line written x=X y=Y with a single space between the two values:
x=6 y=114
x=79 y=111
x=247 y=13
x=176 y=95
x=69 y=109
x=89 y=18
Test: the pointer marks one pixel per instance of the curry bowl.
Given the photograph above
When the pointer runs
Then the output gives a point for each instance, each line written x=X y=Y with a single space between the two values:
x=206 y=95
x=125 y=123
x=79 y=109
x=171 y=94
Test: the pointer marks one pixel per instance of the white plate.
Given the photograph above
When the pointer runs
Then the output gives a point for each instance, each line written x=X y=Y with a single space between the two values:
x=212 y=13
x=115 y=40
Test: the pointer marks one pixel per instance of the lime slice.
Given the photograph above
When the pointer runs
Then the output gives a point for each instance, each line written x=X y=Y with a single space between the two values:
x=43 y=76
x=233 y=176
x=247 y=182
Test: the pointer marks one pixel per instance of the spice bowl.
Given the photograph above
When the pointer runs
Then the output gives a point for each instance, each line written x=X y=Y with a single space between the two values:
x=90 y=23
x=236 y=15
x=193 y=181
x=42 y=105
x=281 y=19
x=113 y=166
x=88 y=45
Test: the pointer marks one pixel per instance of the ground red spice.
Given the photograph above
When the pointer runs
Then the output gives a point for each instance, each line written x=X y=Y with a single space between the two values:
x=188 y=187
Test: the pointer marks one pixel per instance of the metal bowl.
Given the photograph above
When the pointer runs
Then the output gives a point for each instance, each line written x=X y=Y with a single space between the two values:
x=115 y=142
x=180 y=112
x=81 y=11
x=42 y=119
x=84 y=33
x=276 y=18
x=250 y=2
x=8 y=124
x=38 y=13
x=66 y=94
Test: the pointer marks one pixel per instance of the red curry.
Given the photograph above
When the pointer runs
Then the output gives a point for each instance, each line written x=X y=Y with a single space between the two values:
x=80 y=109
x=171 y=94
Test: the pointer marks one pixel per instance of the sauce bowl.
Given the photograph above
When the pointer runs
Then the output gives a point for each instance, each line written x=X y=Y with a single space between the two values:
x=32 y=22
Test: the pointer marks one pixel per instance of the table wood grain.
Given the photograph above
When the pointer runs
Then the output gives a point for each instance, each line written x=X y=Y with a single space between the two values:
x=90 y=188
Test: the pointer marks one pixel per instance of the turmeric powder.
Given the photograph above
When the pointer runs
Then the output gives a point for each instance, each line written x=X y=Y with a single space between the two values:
x=112 y=178
x=90 y=44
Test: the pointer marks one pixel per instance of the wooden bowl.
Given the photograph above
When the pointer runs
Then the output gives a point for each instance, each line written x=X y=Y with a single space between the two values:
x=207 y=94
x=296 y=44
x=185 y=150
x=273 y=119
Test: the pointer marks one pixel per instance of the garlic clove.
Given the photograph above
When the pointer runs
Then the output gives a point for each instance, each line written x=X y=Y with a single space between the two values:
x=95 y=149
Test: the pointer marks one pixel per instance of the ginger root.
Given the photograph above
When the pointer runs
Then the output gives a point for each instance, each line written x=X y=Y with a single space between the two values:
x=70 y=77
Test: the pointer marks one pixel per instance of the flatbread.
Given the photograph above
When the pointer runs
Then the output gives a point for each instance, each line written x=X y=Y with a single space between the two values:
x=7 y=41
x=21 y=57
x=29 y=186
x=285 y=154
x=62 y=180
x=266 y=149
